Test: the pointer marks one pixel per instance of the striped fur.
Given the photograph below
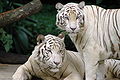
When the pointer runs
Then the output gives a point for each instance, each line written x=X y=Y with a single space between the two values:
x=51 y=61
x=95 y=31
x=36 y=66
x=112 y=69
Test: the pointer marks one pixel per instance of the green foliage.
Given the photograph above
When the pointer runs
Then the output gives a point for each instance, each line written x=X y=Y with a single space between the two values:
x=6 y=39
x=24 y=32
x=19 y=35
x=46 y=21
x=21 y=39
x=99 y=1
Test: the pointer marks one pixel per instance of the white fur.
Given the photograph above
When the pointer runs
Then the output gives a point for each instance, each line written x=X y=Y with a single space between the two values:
x=93 y=37
x=72 y=67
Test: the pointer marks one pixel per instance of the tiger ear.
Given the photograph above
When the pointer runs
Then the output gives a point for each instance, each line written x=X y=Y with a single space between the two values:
x=59 y=6
x=40 y=38
x=81 y=4
x=62 y=36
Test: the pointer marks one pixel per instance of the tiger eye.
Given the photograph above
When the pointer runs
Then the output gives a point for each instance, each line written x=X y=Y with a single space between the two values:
x=66 y=18
x=77 y=17
x=74 y=10
x=60 y=51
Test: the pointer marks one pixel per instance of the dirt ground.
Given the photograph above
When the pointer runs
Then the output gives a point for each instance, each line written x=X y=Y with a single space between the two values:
x=6 y=71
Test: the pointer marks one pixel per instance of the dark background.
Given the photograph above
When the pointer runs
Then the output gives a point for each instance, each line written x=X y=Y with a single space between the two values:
x=20 y=37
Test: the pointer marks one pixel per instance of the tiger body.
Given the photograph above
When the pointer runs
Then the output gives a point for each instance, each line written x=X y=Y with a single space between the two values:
x=95 y=31
x=51 y=61
x=105 y=33
x=112 y=67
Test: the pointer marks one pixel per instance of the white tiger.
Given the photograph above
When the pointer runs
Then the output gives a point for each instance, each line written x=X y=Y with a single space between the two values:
x=93 y=30
x=51 y=61
x=39 y=63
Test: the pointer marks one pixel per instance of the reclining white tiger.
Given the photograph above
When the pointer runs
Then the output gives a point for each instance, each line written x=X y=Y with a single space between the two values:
x=68 y=65
x=51 y=61
x=95 y=31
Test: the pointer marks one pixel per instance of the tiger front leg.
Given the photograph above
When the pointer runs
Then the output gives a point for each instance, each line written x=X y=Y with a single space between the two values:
x=101 y=70
x=91 y=58
x=21 y=74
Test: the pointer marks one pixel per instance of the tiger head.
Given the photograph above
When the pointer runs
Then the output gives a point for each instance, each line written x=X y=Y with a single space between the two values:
x=51 y=52
x=70 y=17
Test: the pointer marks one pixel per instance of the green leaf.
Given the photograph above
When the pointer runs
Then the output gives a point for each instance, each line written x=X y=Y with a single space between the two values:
x=1 y=9
x=98 y=1
x=23 y=39
x=17 y=45
x=6 y=39
x=26 y=31
x=17 y=4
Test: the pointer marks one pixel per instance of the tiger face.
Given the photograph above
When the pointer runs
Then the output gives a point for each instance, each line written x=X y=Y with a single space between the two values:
x=70 y=17
x=51 y=52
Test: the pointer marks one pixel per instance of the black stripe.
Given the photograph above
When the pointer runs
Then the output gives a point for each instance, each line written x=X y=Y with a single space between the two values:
x=112 y=46
x=104 y=15
x=85 y=43
x=116 y=18
x=114 y=65
x=101 y=11
x=116 y=24
x=28 y=72
x=32 y=68
x=93 y=10
x=104 y=43
x=76 y=38
x=63 y=72
x=84 y=32
x=41 y=69
x=43 y=55
x=98 y=16
x=97 y=21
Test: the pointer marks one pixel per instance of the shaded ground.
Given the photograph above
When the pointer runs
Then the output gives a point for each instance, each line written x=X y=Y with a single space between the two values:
x=7 y=70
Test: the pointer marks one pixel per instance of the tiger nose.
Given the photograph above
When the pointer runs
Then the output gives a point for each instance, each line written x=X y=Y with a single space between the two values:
x=72 y=29
x=57 y=63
